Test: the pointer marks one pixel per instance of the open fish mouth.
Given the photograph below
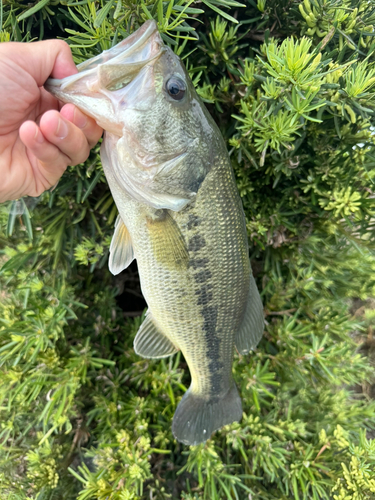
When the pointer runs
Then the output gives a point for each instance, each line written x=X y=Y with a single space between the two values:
x=90 y=89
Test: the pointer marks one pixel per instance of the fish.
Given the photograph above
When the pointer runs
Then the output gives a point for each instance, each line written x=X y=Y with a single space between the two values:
x=180 y=216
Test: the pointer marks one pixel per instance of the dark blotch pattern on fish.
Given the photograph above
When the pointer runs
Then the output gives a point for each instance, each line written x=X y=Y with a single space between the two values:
x=213 y=341
x=193 y=221
x=203 y=276
x=208 y=309
x=196 y=243
x=205 y=294
x=195 y=184
x=196 y=263
x=210 y=314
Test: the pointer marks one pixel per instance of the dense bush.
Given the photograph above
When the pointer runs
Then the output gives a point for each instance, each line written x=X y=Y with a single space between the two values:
x=292 y=86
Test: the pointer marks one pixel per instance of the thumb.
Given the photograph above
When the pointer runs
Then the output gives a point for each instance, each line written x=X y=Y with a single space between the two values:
x=49 y=58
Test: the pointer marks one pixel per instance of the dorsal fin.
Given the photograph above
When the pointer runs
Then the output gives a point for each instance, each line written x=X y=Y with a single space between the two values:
x=251 y=329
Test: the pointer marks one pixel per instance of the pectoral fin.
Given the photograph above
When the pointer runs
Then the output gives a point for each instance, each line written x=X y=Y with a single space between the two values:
x=121 y=250
x=150 y=342
x=167 y=242
x=251 y=329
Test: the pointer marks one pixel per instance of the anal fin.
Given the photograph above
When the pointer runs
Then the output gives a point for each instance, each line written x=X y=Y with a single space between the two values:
x=251 y=329
x=150 y=342
x=121 y=250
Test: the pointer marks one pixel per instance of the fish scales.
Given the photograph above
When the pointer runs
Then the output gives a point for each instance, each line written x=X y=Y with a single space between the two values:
x=180 y=216
x=215 y=300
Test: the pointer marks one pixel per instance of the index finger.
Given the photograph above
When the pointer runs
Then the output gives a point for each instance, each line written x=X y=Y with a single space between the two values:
x=42 y=59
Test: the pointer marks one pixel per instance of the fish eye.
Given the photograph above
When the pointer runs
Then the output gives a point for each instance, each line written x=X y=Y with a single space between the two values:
x=176 y=88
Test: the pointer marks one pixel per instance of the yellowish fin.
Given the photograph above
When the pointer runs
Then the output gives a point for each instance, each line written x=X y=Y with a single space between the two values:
x=167 y=242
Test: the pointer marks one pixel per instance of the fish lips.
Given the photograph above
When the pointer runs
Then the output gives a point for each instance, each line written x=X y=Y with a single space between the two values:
x=94 y=89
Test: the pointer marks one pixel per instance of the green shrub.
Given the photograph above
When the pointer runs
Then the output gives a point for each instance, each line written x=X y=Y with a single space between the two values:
x=292 y=86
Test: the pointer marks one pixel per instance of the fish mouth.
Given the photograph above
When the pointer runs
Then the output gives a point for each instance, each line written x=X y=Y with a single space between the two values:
x=113 y=69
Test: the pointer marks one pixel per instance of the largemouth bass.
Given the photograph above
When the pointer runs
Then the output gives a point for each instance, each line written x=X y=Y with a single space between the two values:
x=180 y=216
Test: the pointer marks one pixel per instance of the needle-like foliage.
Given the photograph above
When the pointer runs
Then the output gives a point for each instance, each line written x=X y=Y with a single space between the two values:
x=291 y=85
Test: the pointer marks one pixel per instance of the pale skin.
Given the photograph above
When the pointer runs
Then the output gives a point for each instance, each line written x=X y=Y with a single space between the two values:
x=38 y=137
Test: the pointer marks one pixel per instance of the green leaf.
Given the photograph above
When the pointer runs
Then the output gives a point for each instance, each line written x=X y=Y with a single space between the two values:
x=228 y=3
x=145 y=10
x=92 y=184
x=188 y=10
x=219 y=11
x=33 y=10
x=118 y=9
x=12 y=214
x=102 y=13
x=76 y=475
x=27 y=220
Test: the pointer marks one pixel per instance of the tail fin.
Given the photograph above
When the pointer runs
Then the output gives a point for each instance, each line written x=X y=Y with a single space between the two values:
x=197 y=417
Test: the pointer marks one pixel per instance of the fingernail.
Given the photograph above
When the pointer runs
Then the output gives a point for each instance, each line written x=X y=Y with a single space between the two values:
x=62 y=129
x=79 y=119
x=38 y=137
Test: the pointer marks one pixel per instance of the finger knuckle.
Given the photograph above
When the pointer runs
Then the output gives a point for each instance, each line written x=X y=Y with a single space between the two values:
x=95 y=136
x=54 y=157
x=81 y=156
x=60 y=45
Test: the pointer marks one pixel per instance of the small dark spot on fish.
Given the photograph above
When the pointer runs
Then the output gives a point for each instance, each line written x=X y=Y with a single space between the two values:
x=214 y=364
x=196 y=263
x=196 y=243
x=205 y=295
x=209 y=314
x=160 y=137
x=193 y=221
x=196 y=184
x=216 y=380
x=206 y=287
x=158 y=215
x=202 y=276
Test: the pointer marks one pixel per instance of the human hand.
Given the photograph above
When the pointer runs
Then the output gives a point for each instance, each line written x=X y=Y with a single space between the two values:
x=38 y=140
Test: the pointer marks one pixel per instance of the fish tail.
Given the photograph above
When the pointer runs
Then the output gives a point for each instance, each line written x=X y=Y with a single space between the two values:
x=197 y=417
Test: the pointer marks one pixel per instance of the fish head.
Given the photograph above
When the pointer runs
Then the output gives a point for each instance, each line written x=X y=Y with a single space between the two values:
x=163 y=116
x=141 y=92
x=93 y=88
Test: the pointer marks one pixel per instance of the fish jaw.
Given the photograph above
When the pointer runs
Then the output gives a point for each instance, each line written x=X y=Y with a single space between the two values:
x=98 y=82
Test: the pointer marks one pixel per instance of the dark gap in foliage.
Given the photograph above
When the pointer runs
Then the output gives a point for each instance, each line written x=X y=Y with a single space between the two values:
x=53 y=32
x=130 y=298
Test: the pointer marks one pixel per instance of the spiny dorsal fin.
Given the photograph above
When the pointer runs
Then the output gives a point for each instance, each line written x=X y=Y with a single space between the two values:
x=121 y=249
x=167 y=242
x=251 y=329
x=150 y=342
